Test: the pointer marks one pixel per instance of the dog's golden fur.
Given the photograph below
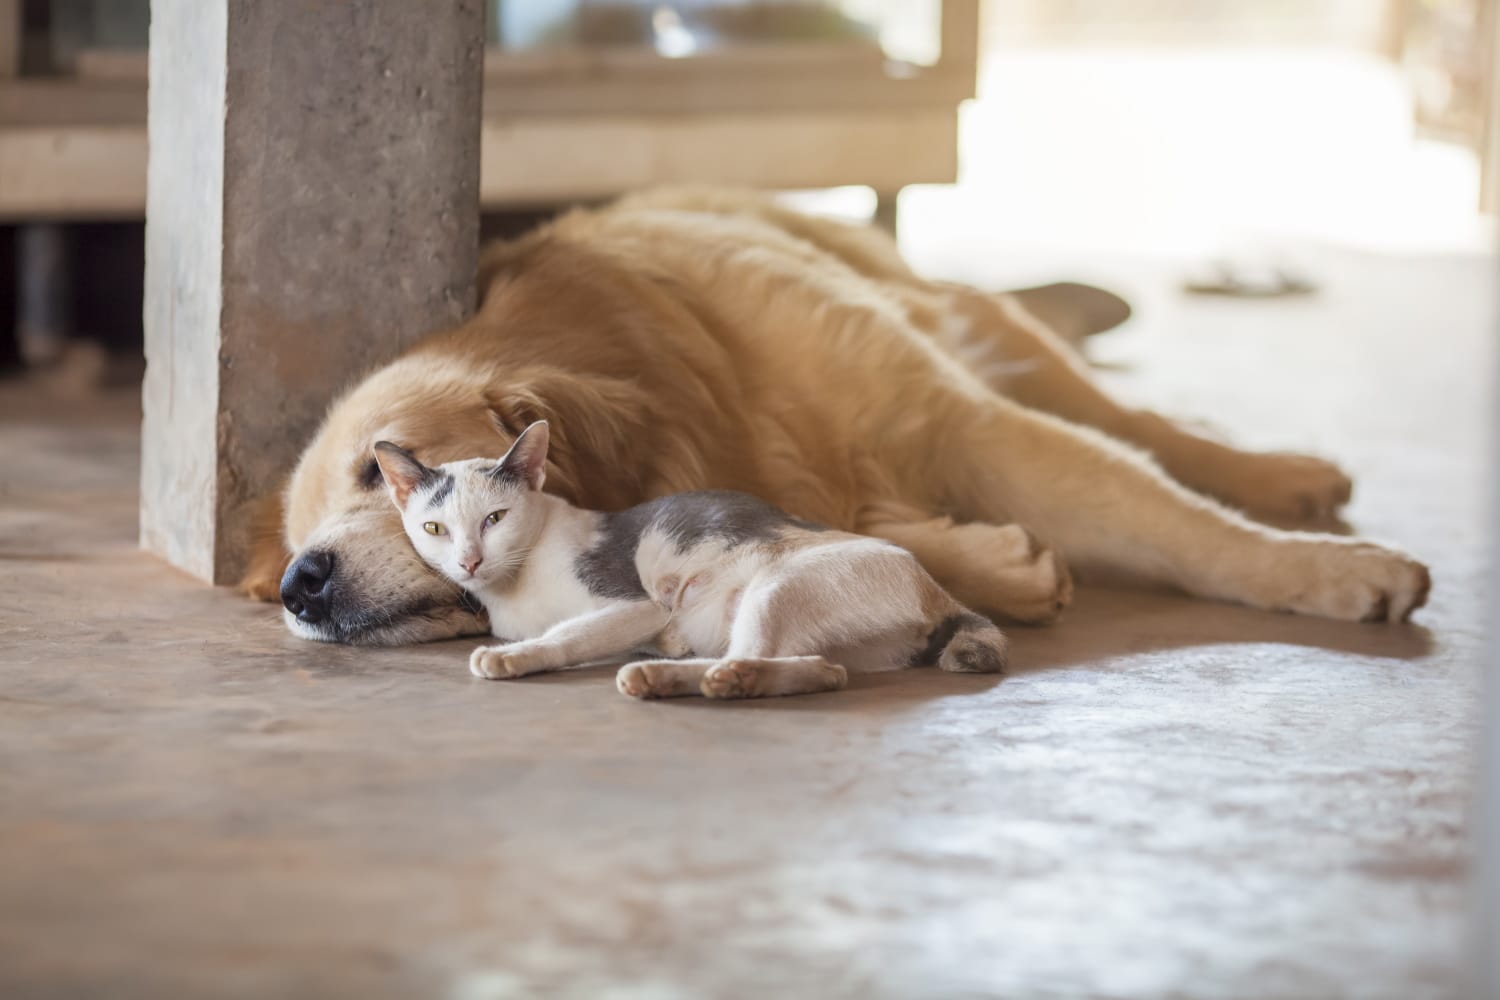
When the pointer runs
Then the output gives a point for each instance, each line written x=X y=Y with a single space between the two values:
x=703 y=339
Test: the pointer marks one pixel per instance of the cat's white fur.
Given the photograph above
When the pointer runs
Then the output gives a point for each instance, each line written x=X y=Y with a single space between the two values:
x=761 y=603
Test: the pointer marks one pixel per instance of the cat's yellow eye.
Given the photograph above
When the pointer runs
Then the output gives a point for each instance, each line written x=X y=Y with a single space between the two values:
x=433 y=528
x=495 y=516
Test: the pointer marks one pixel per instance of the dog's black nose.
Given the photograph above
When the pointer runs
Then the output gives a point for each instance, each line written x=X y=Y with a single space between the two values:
x=305 y=586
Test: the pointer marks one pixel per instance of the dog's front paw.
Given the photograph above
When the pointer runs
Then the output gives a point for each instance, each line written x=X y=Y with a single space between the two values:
x=1354 y=581
x=514 y=659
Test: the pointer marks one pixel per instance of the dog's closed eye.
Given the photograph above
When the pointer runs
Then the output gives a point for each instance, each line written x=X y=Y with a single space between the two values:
x=369 y=475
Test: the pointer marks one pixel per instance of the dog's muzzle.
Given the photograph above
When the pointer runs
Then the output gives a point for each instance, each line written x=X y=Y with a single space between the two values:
x=307 y=585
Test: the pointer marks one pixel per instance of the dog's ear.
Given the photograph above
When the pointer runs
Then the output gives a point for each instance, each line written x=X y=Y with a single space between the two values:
x=269 y=555
x=598 y=422
x=401 y=470
x=527 y=458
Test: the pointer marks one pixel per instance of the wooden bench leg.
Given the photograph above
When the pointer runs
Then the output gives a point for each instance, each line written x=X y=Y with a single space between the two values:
x=886 y=210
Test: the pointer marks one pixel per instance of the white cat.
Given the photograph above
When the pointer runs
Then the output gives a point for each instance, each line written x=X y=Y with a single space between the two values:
x=765 y=604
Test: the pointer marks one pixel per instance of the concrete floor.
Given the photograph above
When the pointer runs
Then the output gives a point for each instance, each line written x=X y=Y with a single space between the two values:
x=1169 y=798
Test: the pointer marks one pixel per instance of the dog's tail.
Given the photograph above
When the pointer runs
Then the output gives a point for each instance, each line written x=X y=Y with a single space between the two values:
x=970 y=644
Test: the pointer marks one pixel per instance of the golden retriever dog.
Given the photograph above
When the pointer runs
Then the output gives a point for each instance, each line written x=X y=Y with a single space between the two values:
x=700 y=339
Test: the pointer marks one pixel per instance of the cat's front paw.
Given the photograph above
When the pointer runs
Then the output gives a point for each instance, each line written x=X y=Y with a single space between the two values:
x=514 y=659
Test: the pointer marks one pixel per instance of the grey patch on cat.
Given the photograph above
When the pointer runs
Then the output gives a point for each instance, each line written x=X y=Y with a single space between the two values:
x=608 y=568
x=736 y=518
x=441 y=491
x=939 y=638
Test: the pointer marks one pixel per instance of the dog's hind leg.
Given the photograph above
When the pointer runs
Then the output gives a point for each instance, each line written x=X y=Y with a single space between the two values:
x=1022 y=359
x=1071 y=310
x=1111 y=507
x=1004 y=570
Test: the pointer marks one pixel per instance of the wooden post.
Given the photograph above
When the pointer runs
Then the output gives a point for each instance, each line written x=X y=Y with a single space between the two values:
x=887 y=210
x=12 y=33
x=961 y=41
x=1489 y=152
x=312 y=206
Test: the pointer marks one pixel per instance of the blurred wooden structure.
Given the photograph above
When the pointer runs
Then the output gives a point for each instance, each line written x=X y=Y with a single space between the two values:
x=559 y=124
x=1489 y=191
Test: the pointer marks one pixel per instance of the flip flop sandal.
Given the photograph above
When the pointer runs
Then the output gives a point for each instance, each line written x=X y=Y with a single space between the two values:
x=1249 y=282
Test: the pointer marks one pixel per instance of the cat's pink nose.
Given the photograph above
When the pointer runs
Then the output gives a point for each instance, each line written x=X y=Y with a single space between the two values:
x=470 y=567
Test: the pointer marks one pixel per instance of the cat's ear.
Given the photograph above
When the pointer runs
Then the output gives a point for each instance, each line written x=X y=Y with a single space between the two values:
x=402 y=472
x=527 y=458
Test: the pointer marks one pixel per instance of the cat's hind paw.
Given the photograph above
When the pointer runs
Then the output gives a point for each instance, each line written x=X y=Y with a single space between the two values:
x=660 y=678
x=635 y=680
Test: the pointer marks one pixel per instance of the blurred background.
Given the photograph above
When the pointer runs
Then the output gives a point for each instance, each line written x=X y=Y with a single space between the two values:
x=1087 y=138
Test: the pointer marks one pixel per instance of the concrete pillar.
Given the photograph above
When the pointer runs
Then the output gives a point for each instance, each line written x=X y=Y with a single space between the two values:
x=312 y=206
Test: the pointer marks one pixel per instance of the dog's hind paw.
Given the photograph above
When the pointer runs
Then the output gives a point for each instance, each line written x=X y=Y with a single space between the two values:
x=1282 y=486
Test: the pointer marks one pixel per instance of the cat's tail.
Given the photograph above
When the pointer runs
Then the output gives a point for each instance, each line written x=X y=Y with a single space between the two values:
x=975 y=645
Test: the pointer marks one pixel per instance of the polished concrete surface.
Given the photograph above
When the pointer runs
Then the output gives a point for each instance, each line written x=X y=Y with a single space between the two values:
x=1167 y=798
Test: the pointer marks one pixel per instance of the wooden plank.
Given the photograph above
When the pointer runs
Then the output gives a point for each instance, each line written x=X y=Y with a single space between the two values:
x=1489 y=155
x=128 y=65
x=612 y=63
x=116 y=94
x=727 y=93
x=58 y=102
x=960 y=33
x=528 y=159
x=81 y=172
x=99 y=172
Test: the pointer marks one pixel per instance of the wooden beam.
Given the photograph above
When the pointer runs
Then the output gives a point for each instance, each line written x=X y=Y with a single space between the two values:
x=960 y=40
x=100 y=171
x=1489 y=153
x=110 y=85
x=794 y=90
x=48 y=102
x=531 y=159
x=311 y=207
x=80 y=172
